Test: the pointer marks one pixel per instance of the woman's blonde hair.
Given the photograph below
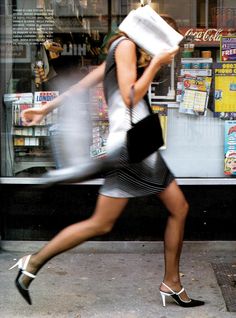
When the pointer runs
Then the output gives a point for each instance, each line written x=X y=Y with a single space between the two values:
x=143 y=58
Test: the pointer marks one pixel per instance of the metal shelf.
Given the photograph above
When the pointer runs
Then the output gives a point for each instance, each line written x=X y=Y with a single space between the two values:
x=180 y=181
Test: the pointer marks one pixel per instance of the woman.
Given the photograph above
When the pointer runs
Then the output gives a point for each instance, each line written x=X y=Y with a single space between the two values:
x=126 y=66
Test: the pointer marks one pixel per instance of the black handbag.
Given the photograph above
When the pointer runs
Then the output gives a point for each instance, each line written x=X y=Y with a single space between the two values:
x=145 y=136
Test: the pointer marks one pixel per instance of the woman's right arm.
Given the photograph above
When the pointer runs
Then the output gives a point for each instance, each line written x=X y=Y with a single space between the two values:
x=126 y=61
x=34 y=116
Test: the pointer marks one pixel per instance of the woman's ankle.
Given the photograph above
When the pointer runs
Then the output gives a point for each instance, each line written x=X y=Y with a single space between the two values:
x=172 y=283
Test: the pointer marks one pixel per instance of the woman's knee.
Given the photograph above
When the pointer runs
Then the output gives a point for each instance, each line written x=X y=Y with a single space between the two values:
x=174 y=200
x=184 y=208
x=106 y=213
x=180 y=210
x=101 y=227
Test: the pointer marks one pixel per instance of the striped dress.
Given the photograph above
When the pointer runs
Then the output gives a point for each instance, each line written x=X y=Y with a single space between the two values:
x=129 y=180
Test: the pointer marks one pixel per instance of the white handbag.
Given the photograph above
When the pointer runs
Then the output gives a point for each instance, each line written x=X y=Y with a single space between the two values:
x=149 y=31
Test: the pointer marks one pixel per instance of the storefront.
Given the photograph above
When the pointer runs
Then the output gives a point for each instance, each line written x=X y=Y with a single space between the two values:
x=48 y=45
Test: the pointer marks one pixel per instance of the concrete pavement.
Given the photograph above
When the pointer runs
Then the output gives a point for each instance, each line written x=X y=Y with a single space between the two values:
x=114 y=280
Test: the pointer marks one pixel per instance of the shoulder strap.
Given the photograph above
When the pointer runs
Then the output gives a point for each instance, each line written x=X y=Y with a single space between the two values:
x=117 y=41
x=148 y=103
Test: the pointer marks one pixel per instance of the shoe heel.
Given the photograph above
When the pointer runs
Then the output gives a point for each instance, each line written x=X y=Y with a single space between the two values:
x=163 y=297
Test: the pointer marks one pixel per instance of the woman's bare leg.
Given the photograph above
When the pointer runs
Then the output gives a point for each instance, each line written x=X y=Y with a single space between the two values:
x=101 y=222
x=174 y=200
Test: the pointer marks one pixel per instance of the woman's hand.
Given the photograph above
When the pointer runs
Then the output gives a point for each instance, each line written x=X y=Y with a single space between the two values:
x=165 y=57
x=32 y=116
x=126 y=61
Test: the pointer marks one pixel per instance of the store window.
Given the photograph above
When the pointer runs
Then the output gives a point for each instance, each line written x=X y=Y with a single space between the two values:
x=48 y=45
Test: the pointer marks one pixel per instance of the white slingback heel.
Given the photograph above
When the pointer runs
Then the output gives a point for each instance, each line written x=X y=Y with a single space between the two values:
x=22 y=265
x=177 y=298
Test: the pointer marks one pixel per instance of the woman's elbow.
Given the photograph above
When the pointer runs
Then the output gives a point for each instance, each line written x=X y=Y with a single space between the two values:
x=127 y=101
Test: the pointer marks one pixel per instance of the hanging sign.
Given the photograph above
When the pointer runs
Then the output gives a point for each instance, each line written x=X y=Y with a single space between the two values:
x=204 y=36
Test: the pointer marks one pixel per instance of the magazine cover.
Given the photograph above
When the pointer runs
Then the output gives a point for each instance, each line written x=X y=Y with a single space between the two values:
x=100 y=132
x=41 y=98
x=16 y=103
x=18 y=97
x=99 y=116
x=225 y=90
x=228 y=48
x=98 y=104
x=230 y=148
x=17 y=108
x=162 y=109
x=194 y=95
x=100 y=125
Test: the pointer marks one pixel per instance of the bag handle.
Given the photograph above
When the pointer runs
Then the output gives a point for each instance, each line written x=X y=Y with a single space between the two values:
x=132 y=104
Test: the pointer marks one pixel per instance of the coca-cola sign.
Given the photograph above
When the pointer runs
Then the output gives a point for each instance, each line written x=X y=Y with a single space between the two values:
x=211 y=35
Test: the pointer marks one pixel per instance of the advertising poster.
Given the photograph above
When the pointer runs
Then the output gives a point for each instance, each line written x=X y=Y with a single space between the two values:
x=225 y=89
x=228 y=48
x=230 y=148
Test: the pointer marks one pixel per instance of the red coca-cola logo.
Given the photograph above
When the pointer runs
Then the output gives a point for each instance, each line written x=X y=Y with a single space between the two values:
x=212 y=35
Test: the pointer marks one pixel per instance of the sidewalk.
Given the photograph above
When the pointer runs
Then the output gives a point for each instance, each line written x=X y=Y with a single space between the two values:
x=114 y=280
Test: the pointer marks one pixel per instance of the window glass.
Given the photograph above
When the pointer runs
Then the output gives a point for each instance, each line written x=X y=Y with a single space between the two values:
x=48 y=45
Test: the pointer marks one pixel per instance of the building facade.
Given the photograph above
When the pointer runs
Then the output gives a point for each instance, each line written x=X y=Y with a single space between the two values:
x=49 y=45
